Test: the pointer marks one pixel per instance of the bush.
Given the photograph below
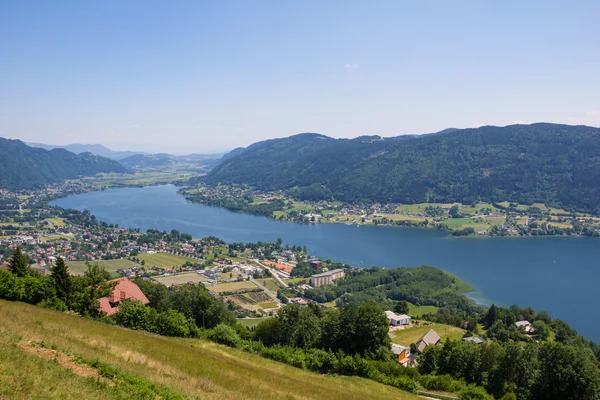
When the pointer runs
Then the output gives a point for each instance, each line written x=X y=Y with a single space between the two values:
x=225 y=334
x=172 y=323
x=441 y=382
x=320 y=360
x=352 y=365
x=11 y=286
x=134 y=315
x=404 y=383
x=473 y=392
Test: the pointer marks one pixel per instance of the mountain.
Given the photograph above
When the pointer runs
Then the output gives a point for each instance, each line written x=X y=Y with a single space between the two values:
x=148 y=160
x=96 y=149
x=24 y=167
x=165 y=160
x=550 y=163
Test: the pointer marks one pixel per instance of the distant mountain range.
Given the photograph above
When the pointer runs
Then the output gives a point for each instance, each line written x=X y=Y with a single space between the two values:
x=25 y=167
x=96 y=149
x=549 y=163
x=135 y=159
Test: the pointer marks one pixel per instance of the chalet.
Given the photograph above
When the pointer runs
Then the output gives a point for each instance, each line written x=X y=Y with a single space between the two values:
x=431 y=338
x=405 y=358
x=526 y=325
x=397 y=320
x=125 y=289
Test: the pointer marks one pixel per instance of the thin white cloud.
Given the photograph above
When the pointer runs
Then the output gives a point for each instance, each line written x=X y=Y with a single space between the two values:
x=351 y=66
x=134 y=125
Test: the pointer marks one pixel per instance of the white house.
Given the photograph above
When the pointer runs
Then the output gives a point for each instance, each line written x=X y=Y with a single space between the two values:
x=526 y=325
x=397 y=320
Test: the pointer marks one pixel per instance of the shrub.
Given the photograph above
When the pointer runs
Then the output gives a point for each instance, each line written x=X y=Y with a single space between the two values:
x=473 y=392
x=225 y=334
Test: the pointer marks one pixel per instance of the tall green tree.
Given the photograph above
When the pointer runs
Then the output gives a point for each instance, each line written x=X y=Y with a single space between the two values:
x=18 y=263
x=61 y=280
x=401 y=307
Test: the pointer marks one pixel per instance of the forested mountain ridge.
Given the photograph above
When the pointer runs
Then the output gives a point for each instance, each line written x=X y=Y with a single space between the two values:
x=549 y=163
x=24 y=167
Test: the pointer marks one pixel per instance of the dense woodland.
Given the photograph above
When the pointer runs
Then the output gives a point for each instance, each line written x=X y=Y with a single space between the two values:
x=547 y=163
x=24 y=167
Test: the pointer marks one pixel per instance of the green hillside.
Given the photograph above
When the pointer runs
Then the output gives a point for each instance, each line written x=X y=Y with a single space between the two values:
x=24 y=167
x=48 y=354
x=546 y=163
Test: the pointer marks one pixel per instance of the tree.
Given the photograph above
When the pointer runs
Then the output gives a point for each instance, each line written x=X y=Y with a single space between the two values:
x=18 y=263
x=364 y=329
x=401 y=307
x=61 y=280
x=454 y=212
x=541 y=329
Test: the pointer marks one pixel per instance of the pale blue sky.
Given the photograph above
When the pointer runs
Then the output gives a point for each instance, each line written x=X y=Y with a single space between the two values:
x=194 y=76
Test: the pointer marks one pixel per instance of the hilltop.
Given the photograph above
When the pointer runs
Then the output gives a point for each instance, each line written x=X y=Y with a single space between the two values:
x=24 y=167
x=46 y=353
x=546 y=163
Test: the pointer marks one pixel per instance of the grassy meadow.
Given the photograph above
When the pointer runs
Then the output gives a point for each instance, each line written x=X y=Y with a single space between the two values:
x=180 y=278
x=190 y=368
x=164 y=260
x=79 y=267
x=411 y=335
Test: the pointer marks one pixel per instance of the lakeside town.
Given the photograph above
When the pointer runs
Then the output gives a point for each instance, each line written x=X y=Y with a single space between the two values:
x=254 y=280
x=481 y=219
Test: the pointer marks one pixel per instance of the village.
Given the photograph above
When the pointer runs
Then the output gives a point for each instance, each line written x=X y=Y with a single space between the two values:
x=254 y=279
x=481 y=219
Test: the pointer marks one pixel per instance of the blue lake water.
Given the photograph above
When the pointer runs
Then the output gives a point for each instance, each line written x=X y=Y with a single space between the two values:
x=556 y=274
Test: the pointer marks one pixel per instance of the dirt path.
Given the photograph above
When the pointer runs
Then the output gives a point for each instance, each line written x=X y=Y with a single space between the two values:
x=64 y=360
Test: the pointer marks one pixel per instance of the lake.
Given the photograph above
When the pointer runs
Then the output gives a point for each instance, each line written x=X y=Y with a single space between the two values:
x=556 y=274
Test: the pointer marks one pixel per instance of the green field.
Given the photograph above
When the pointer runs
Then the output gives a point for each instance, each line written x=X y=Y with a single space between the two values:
x=251 y=322
x=270 y=284
x=180 y=278
x=52 y=238
x=79 y=267
x=268 y=305
x=58 y=222
x=411 y=335
x=418 y=311
x=232 y=286
x=164 y=260
x=190 y=368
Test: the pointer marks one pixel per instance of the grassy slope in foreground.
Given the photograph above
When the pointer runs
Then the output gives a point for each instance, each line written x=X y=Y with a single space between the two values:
x=189 y=367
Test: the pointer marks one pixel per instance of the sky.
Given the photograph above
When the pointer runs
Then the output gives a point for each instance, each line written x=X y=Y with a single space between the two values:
x=206 y=76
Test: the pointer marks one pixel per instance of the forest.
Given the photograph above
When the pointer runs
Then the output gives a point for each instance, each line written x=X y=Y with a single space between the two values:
x=548 y=163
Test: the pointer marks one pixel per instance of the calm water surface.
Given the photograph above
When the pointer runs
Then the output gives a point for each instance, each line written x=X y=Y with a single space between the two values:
x=559 y=275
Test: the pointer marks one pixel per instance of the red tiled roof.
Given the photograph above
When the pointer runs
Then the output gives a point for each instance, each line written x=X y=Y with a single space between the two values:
x=125 y=289
x=106 y=307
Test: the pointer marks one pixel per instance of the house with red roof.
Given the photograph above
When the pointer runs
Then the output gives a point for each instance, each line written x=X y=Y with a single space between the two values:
x=125 y=289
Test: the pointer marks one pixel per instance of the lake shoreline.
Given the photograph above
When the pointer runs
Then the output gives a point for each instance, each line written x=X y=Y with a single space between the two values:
x=520 y=272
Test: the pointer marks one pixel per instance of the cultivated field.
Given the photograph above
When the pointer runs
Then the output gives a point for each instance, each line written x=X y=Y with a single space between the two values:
x=190 y=368
x=270 y=284
x=411 y=335
x=180 y=278
x=79 y=267
x=232 y=286
x=164 y=260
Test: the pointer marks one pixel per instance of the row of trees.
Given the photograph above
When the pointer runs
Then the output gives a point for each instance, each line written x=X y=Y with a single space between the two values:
x=59 y=290
x=512 y=370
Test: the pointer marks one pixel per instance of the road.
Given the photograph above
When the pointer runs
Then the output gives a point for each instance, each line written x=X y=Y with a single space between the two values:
x=267 y=291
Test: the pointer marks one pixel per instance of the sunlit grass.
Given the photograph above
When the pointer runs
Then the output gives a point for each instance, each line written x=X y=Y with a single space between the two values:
x=190 y=367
